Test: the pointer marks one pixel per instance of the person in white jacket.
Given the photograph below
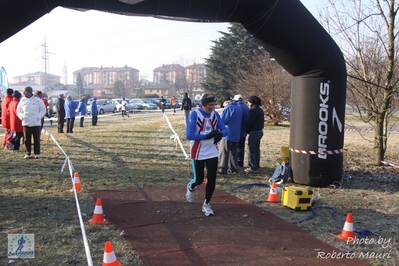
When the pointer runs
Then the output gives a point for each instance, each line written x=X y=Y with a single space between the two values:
x=30 y=110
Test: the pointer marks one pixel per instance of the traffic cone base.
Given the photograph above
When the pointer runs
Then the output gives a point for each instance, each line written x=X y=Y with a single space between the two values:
x=109 y=256
x=76 y=183
x=273 y=196
x=347 y=232
x=98 y=216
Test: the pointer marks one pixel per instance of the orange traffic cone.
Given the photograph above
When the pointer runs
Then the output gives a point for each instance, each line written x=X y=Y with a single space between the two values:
x=98 y=216
x=347 y=231
x=76 y=182
x=109 y=256
x=273 y=196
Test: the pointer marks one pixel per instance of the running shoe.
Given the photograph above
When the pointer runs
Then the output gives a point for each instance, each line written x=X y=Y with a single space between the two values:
x=190 y=193
x=207 y=209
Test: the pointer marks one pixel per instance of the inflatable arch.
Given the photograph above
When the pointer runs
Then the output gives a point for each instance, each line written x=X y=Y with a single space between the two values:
x=286 y=30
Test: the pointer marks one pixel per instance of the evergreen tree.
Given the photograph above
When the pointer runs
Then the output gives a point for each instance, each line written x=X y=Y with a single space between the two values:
x=232 y=53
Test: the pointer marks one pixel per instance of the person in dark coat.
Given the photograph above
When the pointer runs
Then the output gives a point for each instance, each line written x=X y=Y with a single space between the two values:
x=186 y=107
x=254 y=125
x=61 y=113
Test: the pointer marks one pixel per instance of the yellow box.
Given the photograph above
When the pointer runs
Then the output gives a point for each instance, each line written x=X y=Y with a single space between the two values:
x=297 y=198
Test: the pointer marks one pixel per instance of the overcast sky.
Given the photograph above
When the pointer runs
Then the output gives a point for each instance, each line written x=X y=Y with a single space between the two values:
x=94 y=39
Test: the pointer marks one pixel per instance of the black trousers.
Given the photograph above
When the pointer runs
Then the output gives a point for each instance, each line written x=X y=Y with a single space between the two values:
x=28 y=133
x=199 y=166
x=94 y=119
x=61 y=122
x=70 y=123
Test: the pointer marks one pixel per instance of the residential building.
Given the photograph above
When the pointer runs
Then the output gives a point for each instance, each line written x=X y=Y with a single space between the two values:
x=104 y=78
x=195 y=75
x=169 y=73
x=39 y=78
x=184 y=79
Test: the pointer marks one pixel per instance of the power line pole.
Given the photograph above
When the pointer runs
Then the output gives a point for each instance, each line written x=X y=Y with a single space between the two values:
x=45 y=64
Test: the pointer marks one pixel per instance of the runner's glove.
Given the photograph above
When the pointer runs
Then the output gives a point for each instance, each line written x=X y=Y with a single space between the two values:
x=211 y=134
x=218 y=137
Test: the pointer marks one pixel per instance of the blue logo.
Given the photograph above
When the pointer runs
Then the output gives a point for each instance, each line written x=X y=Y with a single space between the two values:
x=21 y=246
x=3 y=80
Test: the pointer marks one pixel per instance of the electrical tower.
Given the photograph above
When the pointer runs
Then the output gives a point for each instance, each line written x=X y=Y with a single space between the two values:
x=45 y=64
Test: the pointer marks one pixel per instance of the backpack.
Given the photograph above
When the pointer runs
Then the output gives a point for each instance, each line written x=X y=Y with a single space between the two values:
x=281 y=173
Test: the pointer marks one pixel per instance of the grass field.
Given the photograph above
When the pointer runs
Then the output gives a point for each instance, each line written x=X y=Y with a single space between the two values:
x=139 y=151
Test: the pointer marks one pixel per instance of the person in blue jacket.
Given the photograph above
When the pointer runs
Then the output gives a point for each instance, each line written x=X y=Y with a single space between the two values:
x=241 y=144
x=82 y=109
x=232 y=118
x=70 y=109
x=204 y=130
x=94 y=112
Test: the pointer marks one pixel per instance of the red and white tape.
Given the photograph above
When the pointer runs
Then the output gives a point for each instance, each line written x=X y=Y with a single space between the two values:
x=317 y=152
x=364 y=129
x=390 y=164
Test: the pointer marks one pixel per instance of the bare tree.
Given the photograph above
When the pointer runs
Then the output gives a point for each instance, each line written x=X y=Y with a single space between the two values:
x=270 y=82
x=367 y=33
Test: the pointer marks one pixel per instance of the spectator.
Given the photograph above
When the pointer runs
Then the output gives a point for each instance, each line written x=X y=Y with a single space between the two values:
x=61 y=113
x=94 y=112
x=15 y=123
x=186 y=106
x=232 y=118
x=5 y=117
x=70 y=113
x=174 y=103
x=162 y=102
x=241 y=144
x=50 y=110
x=82 y=109
x=254 y=127
x=31 y=110
x=205 y=130
x=40 y=95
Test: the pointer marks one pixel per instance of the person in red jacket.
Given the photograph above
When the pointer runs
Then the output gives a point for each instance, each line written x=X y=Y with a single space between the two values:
x=40 y=95
x=15 y=123
x=5 y=117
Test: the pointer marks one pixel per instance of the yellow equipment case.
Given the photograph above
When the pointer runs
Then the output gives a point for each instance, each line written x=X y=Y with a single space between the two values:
x=297 y=198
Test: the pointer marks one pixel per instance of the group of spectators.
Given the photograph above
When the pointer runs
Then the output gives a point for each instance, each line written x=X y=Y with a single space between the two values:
x=221 y=138
x=22 y=117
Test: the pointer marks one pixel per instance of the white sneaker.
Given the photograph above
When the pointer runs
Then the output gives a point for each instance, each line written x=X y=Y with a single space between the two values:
x=27 y=156
x=37 y=156
x=207 y=209
x=189 y=194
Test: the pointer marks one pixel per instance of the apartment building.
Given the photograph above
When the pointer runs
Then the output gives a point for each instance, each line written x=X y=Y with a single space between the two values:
x=107 y=76
x=184 y=79
x=40 y=78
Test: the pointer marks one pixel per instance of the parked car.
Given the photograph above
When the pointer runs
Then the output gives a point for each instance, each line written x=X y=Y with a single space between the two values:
x=147 y=104
x=154 y=100
x=196 y=103
x=129 y=106
x=104 y=106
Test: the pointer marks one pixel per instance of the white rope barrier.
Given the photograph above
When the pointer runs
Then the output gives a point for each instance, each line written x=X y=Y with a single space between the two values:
x=175 y=137
x=68 y=163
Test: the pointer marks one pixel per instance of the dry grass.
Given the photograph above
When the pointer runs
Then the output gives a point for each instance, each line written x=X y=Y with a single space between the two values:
x=35 y=196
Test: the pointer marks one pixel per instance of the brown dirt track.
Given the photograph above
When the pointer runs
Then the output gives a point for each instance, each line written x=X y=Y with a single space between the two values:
x=164 y=229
